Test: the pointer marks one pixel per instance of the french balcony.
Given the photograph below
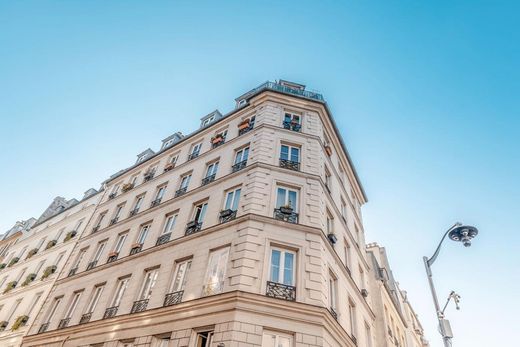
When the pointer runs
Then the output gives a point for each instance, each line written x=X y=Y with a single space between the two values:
x=213 y=288
x=112 y=195
x=112 y=256
x=127 y=187
x=227 y=215
x=208 y=179
x=110 y=312
x=163 y=239
x=95 y=229
x=239 y=166
x=281 y=291
x=63 y=323
x=217 y=141
x=43 y=328
x=114 y=220
x=169 y=166
x=193 y=227
x=333 y=313
x=173 y=298
x=136 y=248
x=91 y=265
x=156 y=202
x=73 y=271
x=139 y=306
x=294 y=126
x=148 y=176
x=244 y=128
x=181 y=191
x=85 y=318
x=289 y=164
x=193 y=155
x=286 y=214
x=134 y=212
x=3 y=325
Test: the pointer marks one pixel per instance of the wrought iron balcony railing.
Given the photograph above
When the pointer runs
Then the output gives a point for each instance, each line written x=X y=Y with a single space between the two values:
x=43 y=328
x=281 y=291
x=134 y=212
x=114 y=220
x=245 y=130
x=292 y=126
x=73 y=271
x=155 y=202
x=163 y=239
x=289 y=164
x=95 y=229
x=227 y=215
x=193 y=155
x=208 y=179
x=148 y=176
x=181 y=191
x=213 y=288
x=288 y=90
x=193 y=227
x=63 y=323
x=136 y=249
x=286 y=216
x=112 y=195
x=333 y=313
x=112 y=258
x=139 y=306
x=110 y=312
x=91 y=265
x=173 y=298
x=85 y=318
x=239 y=166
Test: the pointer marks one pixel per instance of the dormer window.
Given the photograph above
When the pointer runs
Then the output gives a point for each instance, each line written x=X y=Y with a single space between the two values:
x=208 y=121
x=210 y=118
x=168 y=143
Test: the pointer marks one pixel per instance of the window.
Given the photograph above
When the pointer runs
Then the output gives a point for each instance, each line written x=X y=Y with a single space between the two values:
x=282 y=266
x=73 y=304
x=179 y=277
x=150 y=278
x=34 y=302
x=185 y=181
x=138 y=203
x=199 y=212
x=78 y=225
x=173 y=159
x=20 y=275
x=115 y=189
x=22 y=252
x=96 y=294
x=59 y=258
x=361 y=278
x=352 y=318
x=170 y=223
x=333 y=291
x=56 y=302
x=79 y=258
x=276 y=339
x=346 y=250
x=2 y=282
x=328 y=180
x=216 y=271
x=212 y=169
x=13 y=309
x=121 y=238
x=100 y=219
x=39 y=267
x=287 y=197
x=232 y=199
x=160 y=193
x=368 y=335
x=344 y=210
x=292 y=121
x=143 y=233
x=204 y=339
x=208 y=120
x=195 y=150
x=241 y=155
x=117 y=213
x=40 y=243
x=290 y=153
x=99 y=250
x=122 y=284
x=330 y=223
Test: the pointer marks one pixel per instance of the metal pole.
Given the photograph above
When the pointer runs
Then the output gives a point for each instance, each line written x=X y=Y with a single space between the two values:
x=440 y=316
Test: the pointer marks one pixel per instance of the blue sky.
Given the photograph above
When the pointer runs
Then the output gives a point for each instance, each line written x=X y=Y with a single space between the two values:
x=426 y=96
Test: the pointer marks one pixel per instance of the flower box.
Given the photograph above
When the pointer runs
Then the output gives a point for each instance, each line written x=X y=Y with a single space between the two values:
x=32 y=252
x=19 y=322
x=51 y=244
x=332 y=238
x=127 y=186
x=29 y=279
x=49 y=270
x=286 y=209
x=226 y=213
x=114 y=254
x=169 y=166
x=13 y=261
x=70 y=235
x=10 y=286
x=136 y=245
x=217 y=139
x=3 y=265
x=243 y=125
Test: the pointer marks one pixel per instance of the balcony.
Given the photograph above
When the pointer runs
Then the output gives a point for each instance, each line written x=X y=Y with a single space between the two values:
x=163 y=239
x=63 y=323
x=85 y=318
x=73 y=271
x=91 y=265
x=139 y=306
x=3 y=325
x=286 y=214
x=112 y=256
x=112 y=195
x=218 y=140
x=110 y=312
x=193 y=155
x=294 y=126
x=354 y=339
x=333 y=313
x=136 y=248
x=173 y=298
x=239 y=166
x=281 y=291
x=289 y=164
x=156 y=202
x=114 y=220
x=227 y=215
x=213 y=288
x=43 y=328
x=127 y=187
x=245 y=127
x=181 y=191
x=192 y=227
x=208 y=179
x=287 y=90
x=148 y=176
x=169 y=166
x=134 y=212
x=95 y=229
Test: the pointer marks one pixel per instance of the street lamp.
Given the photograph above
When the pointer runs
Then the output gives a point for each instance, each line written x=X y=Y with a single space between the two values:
x=460 y=233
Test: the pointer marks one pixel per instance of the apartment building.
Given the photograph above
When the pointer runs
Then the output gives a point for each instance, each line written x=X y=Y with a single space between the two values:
x=396 y=322
x=32 y=254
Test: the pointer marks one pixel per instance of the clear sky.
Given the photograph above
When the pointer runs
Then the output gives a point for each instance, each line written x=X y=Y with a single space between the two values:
x=426 y=95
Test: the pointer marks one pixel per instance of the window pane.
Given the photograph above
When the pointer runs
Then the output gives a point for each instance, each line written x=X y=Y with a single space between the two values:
x=245 y=154
x=236 y=200
x=275 y=265
x=295 y=154
x=288 y=269
x=284 y=152
x=280 y=197
x=229 y=200
x=293 y=199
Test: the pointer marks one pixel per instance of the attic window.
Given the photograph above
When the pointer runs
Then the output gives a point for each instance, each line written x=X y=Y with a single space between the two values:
x=208 y=121
x=141 y=158
x=168 y=143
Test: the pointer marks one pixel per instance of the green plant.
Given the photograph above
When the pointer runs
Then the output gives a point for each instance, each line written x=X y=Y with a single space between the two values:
x=3 y=265
x=69 y=235
x=3 y=325
x=29 y=279
x=10 y=286
x=19 y=322
x=49 y=270
x=32 y=252
x=51 y=244
x=13 y=261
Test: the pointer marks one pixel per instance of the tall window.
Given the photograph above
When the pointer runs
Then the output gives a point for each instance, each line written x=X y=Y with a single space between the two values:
x=160 y=193
x=13 y=309
x=121 y=238
x=56 y=302
x=204 y=339
x=282 y=266
x=368 y=335
x=143 y=233
x=170 y=223
x=79 y=258
x=22 y=252
x=330 y=223
x=344 y=209
x=100 y=219
x=73 y=304
x=99 y=250
x=241 y=155
x=287 y=197
x=180 y=275
x=276 y=339
x=59 y=258
x=150 y=278
x=96 y=294
x=122 y=284
x=290 y=153
x=333 y=291
x=199 y=212
x=138 y=203
x=195 y=150
x=291 y=118
x=39 y=267
x=346 y=250
x=216 y=271
x=34 y=302
x=328 y=179
x=232 y=199
x=361 y=278
x=117 y=213
x=40 y=243
x=20 y=275
x=212 y=169
x=78 y=225
x=185 y=181
x=352 y=318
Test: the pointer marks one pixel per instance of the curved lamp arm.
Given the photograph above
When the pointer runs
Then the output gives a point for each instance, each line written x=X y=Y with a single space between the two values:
x=434 y=256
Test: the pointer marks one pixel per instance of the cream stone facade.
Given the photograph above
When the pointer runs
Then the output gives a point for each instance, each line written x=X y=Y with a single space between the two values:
x=31 y=264
x=247 y=232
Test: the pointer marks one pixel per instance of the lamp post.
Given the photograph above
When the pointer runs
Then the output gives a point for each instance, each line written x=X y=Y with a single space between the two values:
x=457 y=232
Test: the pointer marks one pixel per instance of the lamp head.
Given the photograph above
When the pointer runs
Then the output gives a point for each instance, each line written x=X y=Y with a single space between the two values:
x=463 y=233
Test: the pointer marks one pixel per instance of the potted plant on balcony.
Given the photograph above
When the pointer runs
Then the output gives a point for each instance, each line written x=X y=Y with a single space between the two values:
x=169 y=166
x=115 y=254
x=51 y=244
x=3 y=325
x=13 y=261
x=10 y=286
x=70 y=235
x=286 y=209
x=127 y=186
x=3 y=265
x=19 y=322
x=29 y=279
x=148 y=175
x=217 y=139
x=191 y=224
x=49 y=270
x=243 y=124
x=32 y=252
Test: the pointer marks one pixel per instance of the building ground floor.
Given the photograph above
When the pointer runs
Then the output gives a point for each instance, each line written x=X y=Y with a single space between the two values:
x=232 y=319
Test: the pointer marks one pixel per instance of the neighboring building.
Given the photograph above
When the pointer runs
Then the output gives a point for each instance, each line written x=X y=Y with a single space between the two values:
x=247 y=232
x=396 y=322
x=31 y=257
